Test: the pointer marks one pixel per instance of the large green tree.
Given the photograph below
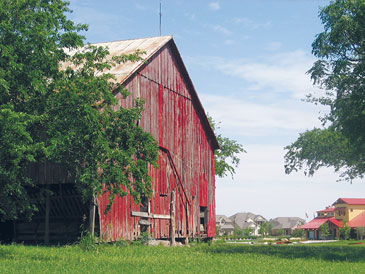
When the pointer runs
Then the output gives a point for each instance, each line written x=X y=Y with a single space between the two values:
x=339 y=71
x=58 y=109
x=226 y=157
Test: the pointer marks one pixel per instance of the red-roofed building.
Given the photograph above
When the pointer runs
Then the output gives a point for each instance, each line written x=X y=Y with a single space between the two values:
x=345 y=210
x=313 y=228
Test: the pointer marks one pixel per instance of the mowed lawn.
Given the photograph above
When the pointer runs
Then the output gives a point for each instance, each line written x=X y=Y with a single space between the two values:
x=202 y=258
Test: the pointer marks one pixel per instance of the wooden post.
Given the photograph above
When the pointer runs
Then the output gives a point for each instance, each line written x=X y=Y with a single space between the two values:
x=172 y=218
x=187 y=224
x=92 y=215
x=46 y=221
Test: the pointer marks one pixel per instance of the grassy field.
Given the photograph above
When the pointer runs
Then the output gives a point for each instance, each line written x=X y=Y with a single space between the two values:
x=202 y=258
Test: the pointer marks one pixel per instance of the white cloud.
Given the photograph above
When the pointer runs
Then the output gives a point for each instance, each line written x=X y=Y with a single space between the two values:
x=243 y=118
x=139 y=6
x=190 y=16
x=221 y=29
x=250 y=24
x=278 y=73
x=273 y=46
x=214 y=6
x=228 y=42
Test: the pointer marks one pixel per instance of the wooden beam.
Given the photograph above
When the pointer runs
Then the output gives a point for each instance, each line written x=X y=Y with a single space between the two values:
x=172 y=221
x=92 y=215
x=149 y=215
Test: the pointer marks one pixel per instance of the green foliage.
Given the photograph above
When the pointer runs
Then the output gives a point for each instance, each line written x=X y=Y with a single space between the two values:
x=226 y=157
x=262 y=229
x=248 y=232
x=88 y=242
x=360 y=232
x=325 y=231
x=144 y=238
x=237 y=232
x=339 y=71
x=58 y=109
x=281 y=232
x=345 y=231
x=298 y=233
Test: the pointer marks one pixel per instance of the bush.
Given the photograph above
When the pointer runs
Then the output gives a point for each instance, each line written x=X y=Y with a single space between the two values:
x=88 y=242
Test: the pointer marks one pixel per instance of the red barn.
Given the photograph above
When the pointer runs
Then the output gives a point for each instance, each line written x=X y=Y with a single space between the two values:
x=175 y=117
x=183 y=201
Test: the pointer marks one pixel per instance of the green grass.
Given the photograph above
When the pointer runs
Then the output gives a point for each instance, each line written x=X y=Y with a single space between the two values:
x=216 y=258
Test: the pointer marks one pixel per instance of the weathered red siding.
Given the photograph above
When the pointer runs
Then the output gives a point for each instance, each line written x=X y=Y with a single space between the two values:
x=173 y=116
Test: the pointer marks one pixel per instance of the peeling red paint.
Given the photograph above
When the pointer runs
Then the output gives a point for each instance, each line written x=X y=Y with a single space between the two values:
x=173 y=115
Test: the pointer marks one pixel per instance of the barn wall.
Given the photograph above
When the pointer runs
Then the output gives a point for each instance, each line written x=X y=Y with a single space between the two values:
x=186 y=158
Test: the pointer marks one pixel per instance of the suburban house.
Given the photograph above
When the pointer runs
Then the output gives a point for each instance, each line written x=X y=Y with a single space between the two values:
x=349 y=211
x=185 y=179
x=224 y=225
x=249 y=220
x=285 y=225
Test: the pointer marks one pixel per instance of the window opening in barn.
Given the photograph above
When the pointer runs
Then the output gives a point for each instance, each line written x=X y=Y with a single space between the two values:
x=203 y=220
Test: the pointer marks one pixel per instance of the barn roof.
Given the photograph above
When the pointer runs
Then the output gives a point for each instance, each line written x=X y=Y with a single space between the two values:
x=151 y=46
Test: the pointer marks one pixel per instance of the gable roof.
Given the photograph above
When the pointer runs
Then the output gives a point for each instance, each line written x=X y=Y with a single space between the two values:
x=240 y=219
x=148 y=45
x=286 y=222
x=350 y=201
x=316 y=223
x=152 y=46
x=218 y=218
x=329 y=209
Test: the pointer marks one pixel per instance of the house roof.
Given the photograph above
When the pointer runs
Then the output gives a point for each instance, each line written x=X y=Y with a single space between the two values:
x=241 y=219
x=316 y=223
x=359 y=220
x=286 y=222
x=150 y=47
x=218 y=218
x=329 y=209
x=226 y=227
x=350 y=201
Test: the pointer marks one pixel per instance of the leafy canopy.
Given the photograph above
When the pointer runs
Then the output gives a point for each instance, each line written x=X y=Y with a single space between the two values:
x=226 y=157
x=339 y=71
x=59 y=110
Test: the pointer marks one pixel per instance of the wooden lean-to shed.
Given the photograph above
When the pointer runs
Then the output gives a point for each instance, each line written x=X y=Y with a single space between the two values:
x=175 y=116
x=183 y=200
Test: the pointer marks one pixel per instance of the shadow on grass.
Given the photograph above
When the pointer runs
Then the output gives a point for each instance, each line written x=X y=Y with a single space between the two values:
x=327 y=253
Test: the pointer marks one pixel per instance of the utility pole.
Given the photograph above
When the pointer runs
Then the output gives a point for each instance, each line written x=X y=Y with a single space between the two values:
x=160 y=17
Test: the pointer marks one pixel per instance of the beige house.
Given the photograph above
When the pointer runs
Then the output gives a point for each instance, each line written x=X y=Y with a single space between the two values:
x=224 y=224
x=249 y=220
x=285 y=225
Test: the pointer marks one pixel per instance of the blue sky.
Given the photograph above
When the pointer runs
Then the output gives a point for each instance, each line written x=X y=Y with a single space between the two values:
x=247 y=60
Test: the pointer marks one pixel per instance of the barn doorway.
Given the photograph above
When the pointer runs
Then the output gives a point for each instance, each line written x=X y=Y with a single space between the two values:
x=68 y=217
